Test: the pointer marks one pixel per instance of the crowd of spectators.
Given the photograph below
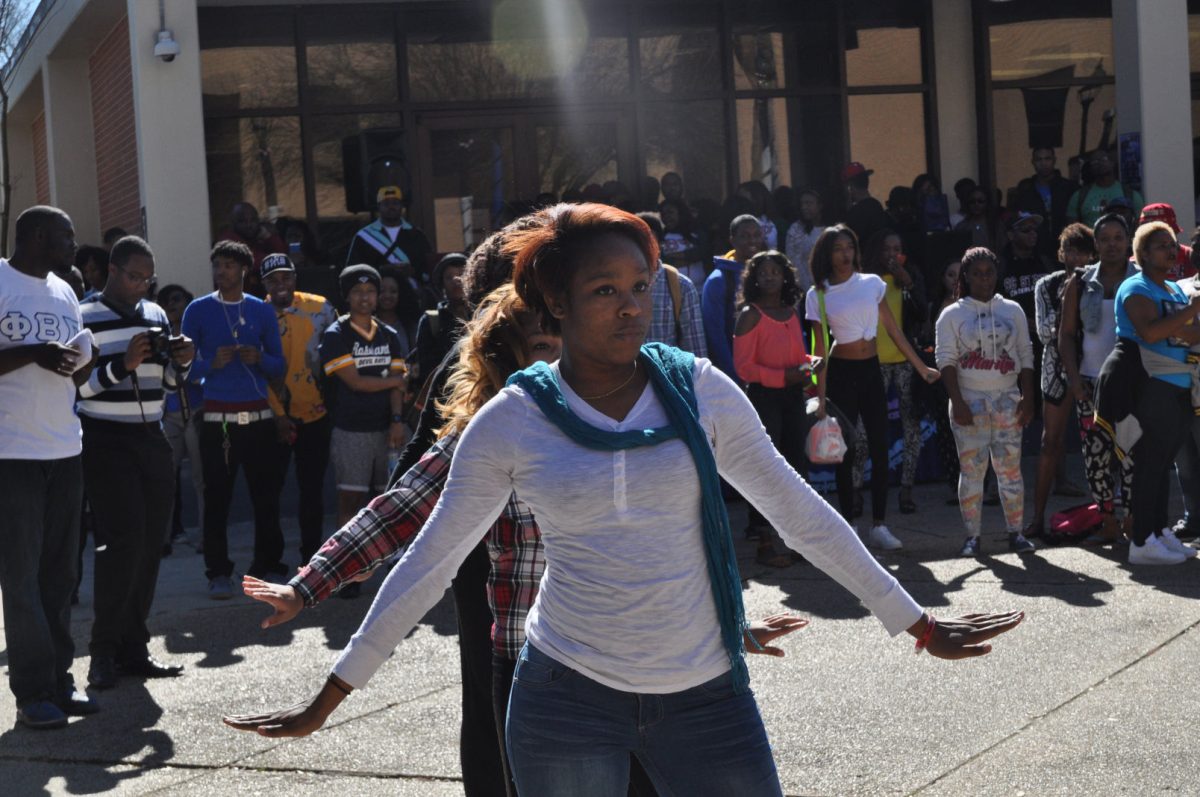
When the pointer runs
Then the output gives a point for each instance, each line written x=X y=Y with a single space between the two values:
x=1071 y=297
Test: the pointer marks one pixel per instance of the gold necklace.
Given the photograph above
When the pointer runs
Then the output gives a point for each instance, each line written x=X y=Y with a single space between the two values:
x=615 y=389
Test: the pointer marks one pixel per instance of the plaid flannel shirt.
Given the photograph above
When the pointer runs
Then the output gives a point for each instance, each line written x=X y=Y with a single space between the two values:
x=662 y=319
x=392 y=520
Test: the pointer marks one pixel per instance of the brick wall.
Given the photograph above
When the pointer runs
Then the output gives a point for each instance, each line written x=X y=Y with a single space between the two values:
x=113 y=122
x=41 y=164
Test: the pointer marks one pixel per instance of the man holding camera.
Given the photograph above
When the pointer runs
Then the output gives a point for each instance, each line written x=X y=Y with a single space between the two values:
x=238 y=354
x=127 y=466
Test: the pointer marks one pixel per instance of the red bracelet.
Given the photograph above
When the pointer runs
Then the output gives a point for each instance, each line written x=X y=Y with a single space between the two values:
x=923 y=642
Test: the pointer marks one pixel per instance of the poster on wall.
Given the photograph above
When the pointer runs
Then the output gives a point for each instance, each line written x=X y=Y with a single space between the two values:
x=1131 y=160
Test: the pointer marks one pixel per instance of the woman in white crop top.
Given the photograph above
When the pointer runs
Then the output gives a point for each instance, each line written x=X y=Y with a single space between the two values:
x=852 y=305
x=627 y=612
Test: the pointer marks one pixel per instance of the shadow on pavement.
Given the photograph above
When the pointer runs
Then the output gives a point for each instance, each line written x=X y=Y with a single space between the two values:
x=122 y=732
x=1037 y=577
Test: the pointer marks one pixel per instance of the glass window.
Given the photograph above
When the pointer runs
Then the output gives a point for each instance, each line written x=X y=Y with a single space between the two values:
x=816 y=51
x=351 y=58
x=685 y=62
x=522 y=55
x=887 y=134
x=1194 y=42
x=473 y=179
x=688 y=138
x=247 y=59
x=1058 y=48
x=572 y=156
x=815 y=128
x=758 y=60
x=883 y=57
x=764 y=152
x=1048 y=117
x=679 y=49
x=255 y=160
x=327 y=134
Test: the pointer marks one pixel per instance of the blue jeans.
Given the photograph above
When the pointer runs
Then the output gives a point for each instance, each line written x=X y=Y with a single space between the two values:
x=568 y=734
x=39 y=504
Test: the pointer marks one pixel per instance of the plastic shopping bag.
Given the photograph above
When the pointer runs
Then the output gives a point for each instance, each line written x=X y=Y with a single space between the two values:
x=825 y=445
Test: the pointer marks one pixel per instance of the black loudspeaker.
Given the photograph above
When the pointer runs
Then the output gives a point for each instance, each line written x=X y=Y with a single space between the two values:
x=372 y=159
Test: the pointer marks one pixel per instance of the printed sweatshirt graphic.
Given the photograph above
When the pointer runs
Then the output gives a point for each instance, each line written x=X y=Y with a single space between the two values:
x=987 y=342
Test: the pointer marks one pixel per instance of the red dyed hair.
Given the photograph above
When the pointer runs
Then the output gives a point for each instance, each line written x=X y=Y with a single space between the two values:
x=547 y=255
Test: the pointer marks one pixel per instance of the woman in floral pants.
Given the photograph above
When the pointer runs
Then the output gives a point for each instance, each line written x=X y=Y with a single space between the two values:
x=984 y=351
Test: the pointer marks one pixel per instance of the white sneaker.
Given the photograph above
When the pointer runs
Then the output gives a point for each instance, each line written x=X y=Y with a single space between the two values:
x=1154 y=552
x=1173 y=543
x=880 y=537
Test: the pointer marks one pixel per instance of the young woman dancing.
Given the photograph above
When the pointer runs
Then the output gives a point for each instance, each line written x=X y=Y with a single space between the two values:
x=852 y=307
x=640 y=603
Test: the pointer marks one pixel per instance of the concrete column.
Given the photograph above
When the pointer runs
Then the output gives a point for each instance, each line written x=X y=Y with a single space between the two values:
x=70 y=143
x=954 y=58
x=170 y=138
x=20 y=153
x=1150 y=48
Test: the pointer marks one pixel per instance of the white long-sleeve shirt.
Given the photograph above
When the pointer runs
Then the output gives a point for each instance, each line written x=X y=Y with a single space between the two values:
x=625 y=598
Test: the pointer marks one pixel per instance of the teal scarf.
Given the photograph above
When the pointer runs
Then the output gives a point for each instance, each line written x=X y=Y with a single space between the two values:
x=671 y=375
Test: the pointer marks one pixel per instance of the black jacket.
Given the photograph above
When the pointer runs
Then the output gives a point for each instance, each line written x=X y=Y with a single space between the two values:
x=1028 y=199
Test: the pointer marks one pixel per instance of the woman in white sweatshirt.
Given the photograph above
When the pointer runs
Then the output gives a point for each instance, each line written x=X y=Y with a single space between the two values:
x=986 y=357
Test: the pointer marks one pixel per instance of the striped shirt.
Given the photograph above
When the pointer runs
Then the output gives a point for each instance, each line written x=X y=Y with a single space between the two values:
x=110 y=394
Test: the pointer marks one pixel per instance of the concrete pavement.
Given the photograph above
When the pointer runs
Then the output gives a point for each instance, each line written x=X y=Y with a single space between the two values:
x=1089 y=696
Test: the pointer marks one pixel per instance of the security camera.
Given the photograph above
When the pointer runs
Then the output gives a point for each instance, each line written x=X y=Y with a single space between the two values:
x=166 y=47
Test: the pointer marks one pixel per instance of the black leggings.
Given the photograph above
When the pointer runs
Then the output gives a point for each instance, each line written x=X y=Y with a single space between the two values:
x=1163 y=410
x=782 y=412
x=856 y=386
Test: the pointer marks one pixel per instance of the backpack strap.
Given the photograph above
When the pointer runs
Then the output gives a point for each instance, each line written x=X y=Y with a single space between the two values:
x=824 y=330
x=676 y=291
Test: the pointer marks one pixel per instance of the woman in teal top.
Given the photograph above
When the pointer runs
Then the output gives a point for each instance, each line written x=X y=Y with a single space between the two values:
x=1155 y=313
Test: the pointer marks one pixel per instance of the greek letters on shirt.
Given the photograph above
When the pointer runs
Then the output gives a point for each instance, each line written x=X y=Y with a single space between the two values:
x=40 y=327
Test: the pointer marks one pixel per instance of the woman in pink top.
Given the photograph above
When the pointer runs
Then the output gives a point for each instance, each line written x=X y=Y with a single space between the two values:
x=769 y=355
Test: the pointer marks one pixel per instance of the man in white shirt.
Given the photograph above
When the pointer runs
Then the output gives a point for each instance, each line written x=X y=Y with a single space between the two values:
x=41 y=486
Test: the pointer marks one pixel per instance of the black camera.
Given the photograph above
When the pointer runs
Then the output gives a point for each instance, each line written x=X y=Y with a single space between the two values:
x=160 y=346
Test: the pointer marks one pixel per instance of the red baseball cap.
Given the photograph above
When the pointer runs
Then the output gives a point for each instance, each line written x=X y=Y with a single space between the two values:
x=1160 y=211
x=855 y=169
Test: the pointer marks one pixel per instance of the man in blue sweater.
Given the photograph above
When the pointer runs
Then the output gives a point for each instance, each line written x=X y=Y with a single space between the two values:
x=238 y=351
x=719 y=298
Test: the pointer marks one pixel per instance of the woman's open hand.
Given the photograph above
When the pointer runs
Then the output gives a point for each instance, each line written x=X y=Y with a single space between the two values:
x=769 y=629
x=967 y=636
